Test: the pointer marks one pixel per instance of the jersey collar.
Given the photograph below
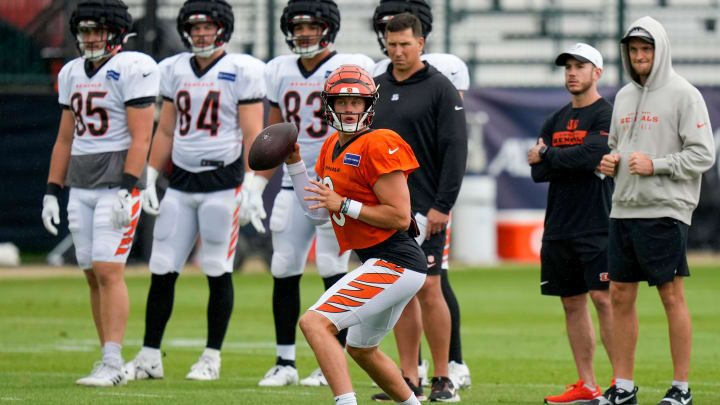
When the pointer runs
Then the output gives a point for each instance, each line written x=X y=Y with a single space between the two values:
x=306 y=73
x=90 y=70
x=338 y=149
x=201 y=72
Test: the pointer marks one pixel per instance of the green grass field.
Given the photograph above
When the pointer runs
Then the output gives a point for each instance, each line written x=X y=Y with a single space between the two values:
x=513 y=340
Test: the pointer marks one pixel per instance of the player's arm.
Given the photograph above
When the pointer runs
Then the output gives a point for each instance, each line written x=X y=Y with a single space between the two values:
x=61 y=151
x=303 y=186
x=58 y=168
x=140 y=125
x=250 y=117
x=163 y=140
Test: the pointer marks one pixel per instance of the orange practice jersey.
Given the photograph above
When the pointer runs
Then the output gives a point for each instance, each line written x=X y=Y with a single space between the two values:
x=353 y=173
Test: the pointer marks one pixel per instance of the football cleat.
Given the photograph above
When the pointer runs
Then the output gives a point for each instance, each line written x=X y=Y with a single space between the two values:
x=417 y=390
x=616 y=396
x=576 y=393
x=104 y=375
x=279 y=376
x=315 y=379
x=143 y=367
x=205 y=369
x=675 y=396
x=443 y=390
x=459 y=373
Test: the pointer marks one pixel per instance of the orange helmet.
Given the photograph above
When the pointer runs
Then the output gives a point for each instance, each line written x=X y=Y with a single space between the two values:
x=349 y=81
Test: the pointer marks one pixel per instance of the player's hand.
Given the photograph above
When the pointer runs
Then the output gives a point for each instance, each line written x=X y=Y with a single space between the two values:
x=294 y=156
x=51 y=213
x=608 y=164
x=533 y=155
x=121 y=213
x=436 y=222
x=149 y=196
x=640 y=164
x=326 y=197
x=252 y=207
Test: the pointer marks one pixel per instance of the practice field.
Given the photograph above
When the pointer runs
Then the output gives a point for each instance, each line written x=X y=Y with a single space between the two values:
x=513 y=340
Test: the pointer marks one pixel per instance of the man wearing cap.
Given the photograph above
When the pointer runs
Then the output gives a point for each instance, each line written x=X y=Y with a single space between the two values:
x=661 y=143
x=574 y=245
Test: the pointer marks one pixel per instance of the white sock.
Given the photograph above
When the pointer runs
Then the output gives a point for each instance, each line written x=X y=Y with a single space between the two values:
x=681 y=385
x=212 y=353
x=112 y=354
x=624 y=384
x=151 y=352
x=410 y=401
x=346 y=399
x=286 y=352
x=588 y=386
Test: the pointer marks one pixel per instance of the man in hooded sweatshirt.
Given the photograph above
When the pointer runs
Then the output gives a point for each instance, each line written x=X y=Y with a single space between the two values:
x=660 y=144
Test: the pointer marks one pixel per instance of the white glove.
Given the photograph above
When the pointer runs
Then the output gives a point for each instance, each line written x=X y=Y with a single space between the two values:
x=121 y=213
x=149 y=196
x=51 y=213
x=250 y=199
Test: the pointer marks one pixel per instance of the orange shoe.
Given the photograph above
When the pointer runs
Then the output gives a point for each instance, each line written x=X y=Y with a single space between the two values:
x=576 y=393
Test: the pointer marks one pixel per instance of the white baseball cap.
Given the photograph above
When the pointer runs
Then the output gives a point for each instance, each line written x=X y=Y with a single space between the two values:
x=583 y=53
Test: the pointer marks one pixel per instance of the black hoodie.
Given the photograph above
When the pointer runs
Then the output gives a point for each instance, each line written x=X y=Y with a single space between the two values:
x=427 y=111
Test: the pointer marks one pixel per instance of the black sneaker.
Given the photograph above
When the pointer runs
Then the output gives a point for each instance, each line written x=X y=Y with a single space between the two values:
x=616 y=396
x=418 y=391
x=443 y=390
x=676 y=397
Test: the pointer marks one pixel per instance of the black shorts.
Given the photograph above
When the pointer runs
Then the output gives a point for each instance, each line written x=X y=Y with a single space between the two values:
x=433 y=249
x=574 y=266
x=652 y=250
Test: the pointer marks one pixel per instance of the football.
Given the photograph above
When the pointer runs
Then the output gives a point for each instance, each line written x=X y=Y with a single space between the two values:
x=272 y=146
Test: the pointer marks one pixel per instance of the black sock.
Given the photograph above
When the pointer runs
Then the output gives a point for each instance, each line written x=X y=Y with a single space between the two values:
x=454 y=307
x=329 y=282
x=286 y=308
x=219 y=309
x=159 y=307
x=284 y=362
x=419 y=355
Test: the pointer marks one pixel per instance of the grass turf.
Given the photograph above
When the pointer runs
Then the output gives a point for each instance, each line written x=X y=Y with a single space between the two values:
x=514 y=342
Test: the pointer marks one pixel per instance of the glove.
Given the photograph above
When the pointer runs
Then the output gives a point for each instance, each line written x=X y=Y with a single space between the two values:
x=51 y=213
x=121 y=213
x=252 y=208
x=149 y=196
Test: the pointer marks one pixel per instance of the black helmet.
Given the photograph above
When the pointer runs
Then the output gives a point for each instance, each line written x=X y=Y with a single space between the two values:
x=216 y=11
x=111 y=14
x=324 y=12
x=389 y=8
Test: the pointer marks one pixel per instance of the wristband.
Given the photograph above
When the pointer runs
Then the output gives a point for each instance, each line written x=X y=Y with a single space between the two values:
x=53 y=189
x=353 y=208
x=128 y=182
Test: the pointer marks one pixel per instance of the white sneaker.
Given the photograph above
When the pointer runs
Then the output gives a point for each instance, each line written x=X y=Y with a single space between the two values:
x=205 y=369
x=104 y=375
x=315 y=379
x=143 y=367
x=459 y=373
x=423 y=373
x=279 y=376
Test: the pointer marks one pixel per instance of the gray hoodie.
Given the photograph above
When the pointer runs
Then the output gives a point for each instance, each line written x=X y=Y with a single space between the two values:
x=667 y=120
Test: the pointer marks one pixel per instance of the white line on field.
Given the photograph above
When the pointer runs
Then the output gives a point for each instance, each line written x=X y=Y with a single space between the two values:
x=132 y=394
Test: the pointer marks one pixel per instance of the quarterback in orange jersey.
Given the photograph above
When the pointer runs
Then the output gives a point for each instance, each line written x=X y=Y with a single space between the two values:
x=362 y=189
